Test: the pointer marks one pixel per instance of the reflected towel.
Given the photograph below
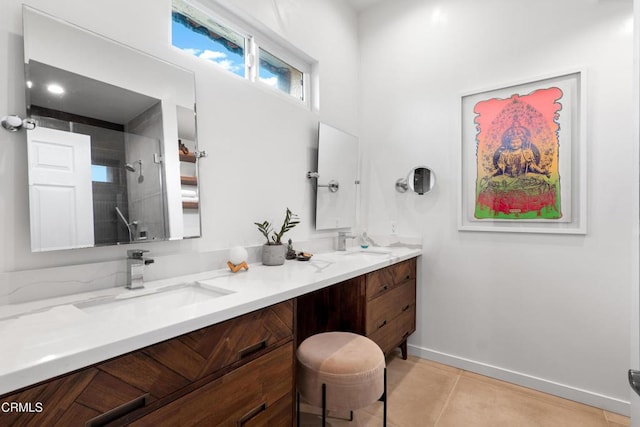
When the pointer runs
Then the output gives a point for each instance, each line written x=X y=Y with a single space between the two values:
x=190 y=199
x=189 y=193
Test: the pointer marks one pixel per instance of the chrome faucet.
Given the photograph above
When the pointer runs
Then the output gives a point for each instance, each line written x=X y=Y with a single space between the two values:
x=342 y=240
x=135 y=268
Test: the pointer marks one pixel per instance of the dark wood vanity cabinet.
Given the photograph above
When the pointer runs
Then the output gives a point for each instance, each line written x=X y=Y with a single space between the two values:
x=237 y=372
x=240 y=372
x=380 y=305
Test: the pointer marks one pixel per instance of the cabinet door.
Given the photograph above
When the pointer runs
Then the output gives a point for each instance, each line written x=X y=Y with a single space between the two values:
x=241 y=397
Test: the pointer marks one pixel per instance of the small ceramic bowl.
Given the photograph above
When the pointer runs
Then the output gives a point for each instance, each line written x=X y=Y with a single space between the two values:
x=304 y=256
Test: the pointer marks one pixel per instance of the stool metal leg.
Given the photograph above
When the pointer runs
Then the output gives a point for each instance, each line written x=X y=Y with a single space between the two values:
x=324 y=405
x=384 y=403
x=297 y=408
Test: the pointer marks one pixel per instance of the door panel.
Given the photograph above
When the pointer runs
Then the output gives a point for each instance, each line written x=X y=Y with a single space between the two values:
x=60 y=191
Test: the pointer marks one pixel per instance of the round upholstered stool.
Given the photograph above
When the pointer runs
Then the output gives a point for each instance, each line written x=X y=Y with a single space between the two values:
x=341 y=371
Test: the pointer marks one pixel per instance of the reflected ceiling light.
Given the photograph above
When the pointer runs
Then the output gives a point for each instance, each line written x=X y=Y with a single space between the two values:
x=55 y=88
x=29 y=84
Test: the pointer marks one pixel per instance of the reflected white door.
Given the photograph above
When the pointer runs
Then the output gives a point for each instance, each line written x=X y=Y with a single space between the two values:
x=60 y=189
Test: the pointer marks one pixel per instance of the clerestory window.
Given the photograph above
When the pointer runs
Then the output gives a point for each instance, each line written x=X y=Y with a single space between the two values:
x=238 y=48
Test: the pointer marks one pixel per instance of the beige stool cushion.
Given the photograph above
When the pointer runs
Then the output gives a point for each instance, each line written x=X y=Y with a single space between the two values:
x=351 y=366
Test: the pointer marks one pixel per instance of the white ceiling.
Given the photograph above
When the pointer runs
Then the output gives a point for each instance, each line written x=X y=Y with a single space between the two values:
x=361 y=5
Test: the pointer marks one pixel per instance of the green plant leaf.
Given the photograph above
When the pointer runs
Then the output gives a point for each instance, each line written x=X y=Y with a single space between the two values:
x=290 y=221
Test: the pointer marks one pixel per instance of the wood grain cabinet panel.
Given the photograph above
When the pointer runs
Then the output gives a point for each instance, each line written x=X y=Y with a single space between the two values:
x=379 y=282
x=403 y=271
x=380 y=304
x=57 y=398
x=383 y=280
x=208 y=350
x=127 y=387
x=243 y=397
x=383 y=310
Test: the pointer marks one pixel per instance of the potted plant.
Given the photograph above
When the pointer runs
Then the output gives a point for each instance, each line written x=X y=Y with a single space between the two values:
x=273 y=252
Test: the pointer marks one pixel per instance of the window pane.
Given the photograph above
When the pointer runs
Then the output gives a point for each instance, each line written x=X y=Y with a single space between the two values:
x=277 y=73
x=209 y=41
x=101 y=173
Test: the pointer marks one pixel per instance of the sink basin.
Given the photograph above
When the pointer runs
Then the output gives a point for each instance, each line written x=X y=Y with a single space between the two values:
x=152 y=300
x=374 y=250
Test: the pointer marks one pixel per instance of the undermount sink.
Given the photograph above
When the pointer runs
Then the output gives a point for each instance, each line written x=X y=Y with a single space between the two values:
x=152 y=300
x=374 y=250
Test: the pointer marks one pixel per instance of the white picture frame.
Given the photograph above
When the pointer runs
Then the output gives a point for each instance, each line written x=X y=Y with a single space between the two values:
x=549 y=107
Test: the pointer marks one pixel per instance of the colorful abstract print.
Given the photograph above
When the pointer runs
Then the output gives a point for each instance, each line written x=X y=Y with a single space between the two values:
x=517 y=157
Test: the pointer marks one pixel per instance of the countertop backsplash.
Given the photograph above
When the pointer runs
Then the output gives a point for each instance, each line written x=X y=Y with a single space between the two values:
x=31 y=285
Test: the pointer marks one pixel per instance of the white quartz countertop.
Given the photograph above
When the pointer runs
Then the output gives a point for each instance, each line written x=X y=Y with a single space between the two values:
x=47 y=338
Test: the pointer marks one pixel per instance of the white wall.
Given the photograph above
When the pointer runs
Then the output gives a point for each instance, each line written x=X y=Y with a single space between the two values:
x=548 y=311
x=635 y=198
x=260 y=143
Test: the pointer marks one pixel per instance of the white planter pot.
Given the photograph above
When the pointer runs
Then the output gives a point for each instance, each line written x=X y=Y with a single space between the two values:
x=273 y=254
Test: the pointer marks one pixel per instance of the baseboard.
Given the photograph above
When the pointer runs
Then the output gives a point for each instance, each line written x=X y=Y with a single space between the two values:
x=572 y=393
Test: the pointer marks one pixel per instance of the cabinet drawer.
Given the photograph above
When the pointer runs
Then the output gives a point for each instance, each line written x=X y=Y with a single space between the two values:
x=382 y=310
x=386 y=337
x=279 y=414
x=242 y=397
x=403 y=271
x=381 y=281
x=395 y=331
x=405 y=324
x=207 y=350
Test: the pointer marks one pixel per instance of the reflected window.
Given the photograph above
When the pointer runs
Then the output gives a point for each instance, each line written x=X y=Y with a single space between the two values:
x=101 y=173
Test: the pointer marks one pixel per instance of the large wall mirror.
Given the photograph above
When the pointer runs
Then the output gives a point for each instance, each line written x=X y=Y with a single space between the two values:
x=111 y=159
x=337 y=180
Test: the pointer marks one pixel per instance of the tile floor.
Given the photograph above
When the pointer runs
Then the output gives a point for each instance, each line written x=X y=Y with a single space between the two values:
x=424 y=394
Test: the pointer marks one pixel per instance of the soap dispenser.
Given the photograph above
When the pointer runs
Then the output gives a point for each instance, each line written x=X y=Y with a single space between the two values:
x=363 y=240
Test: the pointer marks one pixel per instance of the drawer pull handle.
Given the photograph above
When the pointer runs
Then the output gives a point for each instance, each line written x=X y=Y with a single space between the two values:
x=408 y=277
x=252 y=348
x=252 y=413
x=119 y=411
x=406 y=307
x=384 y=288
x=381 y=324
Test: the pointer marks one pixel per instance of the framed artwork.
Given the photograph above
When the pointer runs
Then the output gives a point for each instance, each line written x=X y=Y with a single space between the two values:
x=523 y=157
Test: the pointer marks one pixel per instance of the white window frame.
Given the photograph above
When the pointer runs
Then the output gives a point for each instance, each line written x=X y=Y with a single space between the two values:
x=257 y=36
